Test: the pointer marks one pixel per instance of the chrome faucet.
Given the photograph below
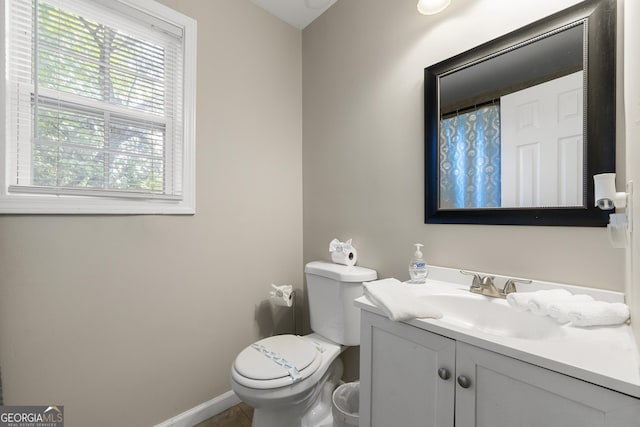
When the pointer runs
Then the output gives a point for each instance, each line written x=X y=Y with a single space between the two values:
x=510 y=285
x=477 y=279
x=485 y=286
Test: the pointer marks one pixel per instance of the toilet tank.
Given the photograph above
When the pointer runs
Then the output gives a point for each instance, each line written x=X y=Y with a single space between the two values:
x=331 y=289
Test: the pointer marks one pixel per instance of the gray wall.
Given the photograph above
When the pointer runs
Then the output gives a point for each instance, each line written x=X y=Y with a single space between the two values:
x=140 y=317
x=363 y=155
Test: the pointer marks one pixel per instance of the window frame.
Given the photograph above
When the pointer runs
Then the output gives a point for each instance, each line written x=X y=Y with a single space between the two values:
x=32 y=201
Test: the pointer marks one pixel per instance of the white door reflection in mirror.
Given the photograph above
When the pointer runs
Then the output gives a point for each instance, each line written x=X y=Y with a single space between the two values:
x=542 y=150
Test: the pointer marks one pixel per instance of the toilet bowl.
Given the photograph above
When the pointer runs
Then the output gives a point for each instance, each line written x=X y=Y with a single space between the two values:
x=289 y=379
x=279 y=401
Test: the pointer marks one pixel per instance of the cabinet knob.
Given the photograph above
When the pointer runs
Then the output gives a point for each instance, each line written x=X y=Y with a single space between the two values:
x=464 y=381
x=444 y=373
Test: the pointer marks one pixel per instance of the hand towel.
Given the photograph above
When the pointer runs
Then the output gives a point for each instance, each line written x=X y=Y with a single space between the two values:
x=598 y=313
x=540 y=302
x=399 y=301
x=521 y=301
x=559 y=310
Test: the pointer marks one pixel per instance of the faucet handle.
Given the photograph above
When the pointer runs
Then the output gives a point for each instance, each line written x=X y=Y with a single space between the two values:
x=510 y=285
x=477 y=279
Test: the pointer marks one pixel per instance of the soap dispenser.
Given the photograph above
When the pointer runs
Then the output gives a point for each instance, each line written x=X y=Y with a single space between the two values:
x=417 y=266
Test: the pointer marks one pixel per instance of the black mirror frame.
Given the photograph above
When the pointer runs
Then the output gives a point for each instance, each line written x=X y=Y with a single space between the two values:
x=600 y=16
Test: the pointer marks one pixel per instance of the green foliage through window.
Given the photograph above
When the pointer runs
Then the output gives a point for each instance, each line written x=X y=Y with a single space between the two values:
x=98 y=106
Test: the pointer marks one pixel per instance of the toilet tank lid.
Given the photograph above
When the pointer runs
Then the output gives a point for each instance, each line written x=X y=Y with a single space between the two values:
x=342 y=273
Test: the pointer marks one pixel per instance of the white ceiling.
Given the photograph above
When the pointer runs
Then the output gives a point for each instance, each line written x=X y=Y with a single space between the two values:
x=298 y=13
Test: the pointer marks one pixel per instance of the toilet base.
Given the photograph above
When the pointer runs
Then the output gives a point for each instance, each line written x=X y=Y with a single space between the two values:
x=314 y=411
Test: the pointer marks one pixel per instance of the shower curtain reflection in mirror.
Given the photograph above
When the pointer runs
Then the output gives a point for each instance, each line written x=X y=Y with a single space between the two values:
x=470 y=159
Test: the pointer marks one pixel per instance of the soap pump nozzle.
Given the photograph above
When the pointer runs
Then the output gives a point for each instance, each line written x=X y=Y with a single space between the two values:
x=418 y=253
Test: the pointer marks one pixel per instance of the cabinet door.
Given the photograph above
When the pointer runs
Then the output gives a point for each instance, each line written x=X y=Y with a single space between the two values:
x=505 y=392
x=399 y=381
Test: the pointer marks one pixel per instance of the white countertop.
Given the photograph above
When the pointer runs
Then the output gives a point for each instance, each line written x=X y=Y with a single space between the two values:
x=606 y=356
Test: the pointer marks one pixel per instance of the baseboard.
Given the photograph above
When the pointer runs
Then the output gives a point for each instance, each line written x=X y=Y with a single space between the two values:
x=203 y=411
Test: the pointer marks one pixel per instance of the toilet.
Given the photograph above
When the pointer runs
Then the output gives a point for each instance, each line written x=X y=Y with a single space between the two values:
x=289 y=379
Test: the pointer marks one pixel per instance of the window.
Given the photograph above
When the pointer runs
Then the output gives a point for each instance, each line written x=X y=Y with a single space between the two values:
x=99 y=107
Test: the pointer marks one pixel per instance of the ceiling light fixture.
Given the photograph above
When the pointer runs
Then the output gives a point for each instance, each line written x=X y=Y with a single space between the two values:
x=431 y=7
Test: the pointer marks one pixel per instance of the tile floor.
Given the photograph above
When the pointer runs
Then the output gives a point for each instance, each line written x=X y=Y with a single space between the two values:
x=236 y=416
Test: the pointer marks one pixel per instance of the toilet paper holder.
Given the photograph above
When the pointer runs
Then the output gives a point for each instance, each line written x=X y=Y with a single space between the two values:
x=284 y=296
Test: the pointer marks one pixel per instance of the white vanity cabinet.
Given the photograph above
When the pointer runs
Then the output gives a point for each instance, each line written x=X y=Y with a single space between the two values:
x=411 y=377
x=399 y=382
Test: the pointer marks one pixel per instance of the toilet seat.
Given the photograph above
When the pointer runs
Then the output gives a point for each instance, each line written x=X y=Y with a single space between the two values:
x=276 y=361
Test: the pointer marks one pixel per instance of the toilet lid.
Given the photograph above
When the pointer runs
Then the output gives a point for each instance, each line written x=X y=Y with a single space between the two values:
x=275 y=357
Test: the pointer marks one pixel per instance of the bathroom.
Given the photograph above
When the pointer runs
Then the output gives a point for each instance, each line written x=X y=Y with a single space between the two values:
x=302 y=136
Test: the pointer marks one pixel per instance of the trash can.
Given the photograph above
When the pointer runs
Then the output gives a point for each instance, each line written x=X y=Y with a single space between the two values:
x=346 y=405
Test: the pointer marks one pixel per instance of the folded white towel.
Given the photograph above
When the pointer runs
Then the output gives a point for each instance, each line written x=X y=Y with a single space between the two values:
x=598 y=313
x=399 y=301
x=521 y=301
x=559 y=310
x=539 y=303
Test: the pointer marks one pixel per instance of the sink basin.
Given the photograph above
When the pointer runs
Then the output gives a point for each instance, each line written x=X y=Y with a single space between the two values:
x=493 y=316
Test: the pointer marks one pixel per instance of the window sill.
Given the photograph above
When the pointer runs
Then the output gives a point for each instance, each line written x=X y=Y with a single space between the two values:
x=54 y=205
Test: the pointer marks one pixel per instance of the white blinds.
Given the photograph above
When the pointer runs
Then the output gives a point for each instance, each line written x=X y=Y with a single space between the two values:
x=94 y=100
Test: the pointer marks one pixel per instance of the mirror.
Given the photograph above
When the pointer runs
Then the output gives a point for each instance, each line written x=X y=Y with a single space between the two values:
x=516 y=128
